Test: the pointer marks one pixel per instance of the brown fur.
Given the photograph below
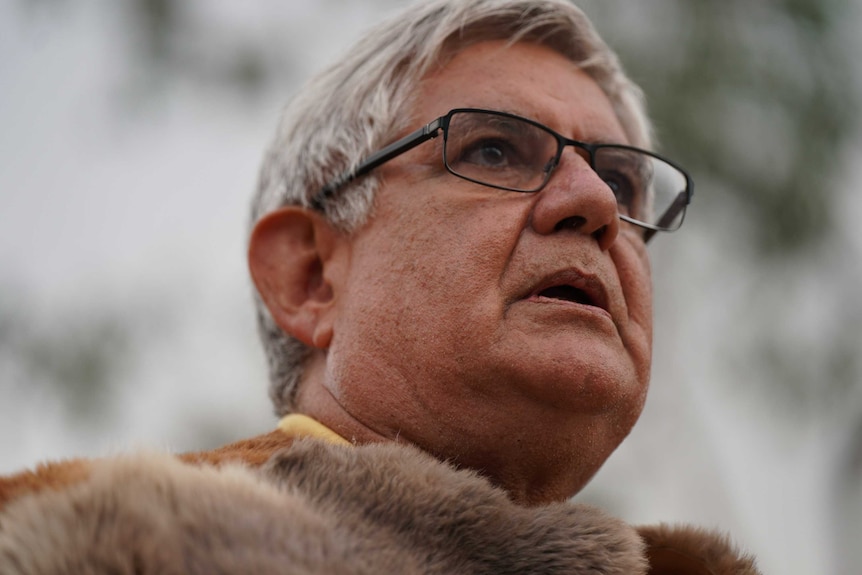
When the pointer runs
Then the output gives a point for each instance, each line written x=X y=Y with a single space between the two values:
x=58 y=475
x=317 y=508
x=692 y=551
x=455 y=519
x=312 y=509
x=254 y=451
x=47 y=476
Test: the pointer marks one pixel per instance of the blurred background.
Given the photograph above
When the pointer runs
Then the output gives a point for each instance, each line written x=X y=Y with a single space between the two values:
x=130 y=137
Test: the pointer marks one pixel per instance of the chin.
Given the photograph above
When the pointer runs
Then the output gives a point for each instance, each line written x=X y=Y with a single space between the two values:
x=586 y=388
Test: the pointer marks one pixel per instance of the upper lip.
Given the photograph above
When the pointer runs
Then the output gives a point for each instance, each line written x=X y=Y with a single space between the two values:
x=586 y=286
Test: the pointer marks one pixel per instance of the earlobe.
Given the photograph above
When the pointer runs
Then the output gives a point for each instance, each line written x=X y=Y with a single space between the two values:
x=290 y=259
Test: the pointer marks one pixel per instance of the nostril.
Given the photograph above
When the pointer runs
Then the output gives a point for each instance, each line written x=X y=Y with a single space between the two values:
x=600 y=233
x=571 y=223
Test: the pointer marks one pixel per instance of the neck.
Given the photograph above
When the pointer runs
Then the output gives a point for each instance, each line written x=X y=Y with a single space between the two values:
x=525 y=468
x=537 y=458
x=316 y=401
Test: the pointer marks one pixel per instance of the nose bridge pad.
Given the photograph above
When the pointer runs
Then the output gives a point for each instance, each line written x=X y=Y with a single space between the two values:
x=549 y=166
x=584 y=154
x=554 y=161
x=578 y=152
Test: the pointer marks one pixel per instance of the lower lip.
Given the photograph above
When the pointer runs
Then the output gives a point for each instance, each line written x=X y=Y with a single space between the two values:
x=573 y=306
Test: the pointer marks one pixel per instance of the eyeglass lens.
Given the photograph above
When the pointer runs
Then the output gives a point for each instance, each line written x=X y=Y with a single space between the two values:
x=511 y=153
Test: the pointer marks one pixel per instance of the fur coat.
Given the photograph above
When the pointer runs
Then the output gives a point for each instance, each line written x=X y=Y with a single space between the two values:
x=314 y=507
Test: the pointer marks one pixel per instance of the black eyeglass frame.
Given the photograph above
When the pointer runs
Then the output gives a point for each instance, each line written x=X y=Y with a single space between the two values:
x=433 y=128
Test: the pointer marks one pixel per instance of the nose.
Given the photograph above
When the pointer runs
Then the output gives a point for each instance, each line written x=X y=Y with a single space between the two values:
x=576 y=199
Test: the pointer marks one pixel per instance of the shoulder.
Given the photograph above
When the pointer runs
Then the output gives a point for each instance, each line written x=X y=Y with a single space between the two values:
x=314 y=507
x=46 y=476
x=153 y=513
x=59 y=475
x=695 y=551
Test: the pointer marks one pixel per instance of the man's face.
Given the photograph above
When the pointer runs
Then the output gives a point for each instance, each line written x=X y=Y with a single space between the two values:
x=484 y=324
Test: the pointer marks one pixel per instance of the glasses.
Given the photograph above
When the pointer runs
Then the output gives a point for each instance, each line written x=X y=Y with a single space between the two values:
x=508 y=152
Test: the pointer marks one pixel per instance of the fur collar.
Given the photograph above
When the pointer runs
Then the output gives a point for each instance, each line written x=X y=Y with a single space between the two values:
x=317 y=508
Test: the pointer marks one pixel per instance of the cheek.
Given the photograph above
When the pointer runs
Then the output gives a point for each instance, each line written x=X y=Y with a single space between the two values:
x=430 y=276
x=450 y=248
x=633 y=269
x=637 y=288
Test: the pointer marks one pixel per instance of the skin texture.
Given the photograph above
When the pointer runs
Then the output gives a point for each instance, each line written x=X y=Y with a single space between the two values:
x=427 y=319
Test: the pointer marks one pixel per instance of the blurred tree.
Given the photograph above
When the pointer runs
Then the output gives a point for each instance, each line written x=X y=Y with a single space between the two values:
x=171 y=40
x=755 y=99
x=75 y=357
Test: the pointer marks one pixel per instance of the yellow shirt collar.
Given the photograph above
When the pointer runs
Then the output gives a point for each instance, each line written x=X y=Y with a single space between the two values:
x=297 y=425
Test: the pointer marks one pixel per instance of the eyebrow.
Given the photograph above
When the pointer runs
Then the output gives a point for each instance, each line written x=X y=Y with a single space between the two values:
x=536 y=116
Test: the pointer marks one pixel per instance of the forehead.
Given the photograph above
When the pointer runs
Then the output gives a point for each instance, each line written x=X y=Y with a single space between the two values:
x=521 y=78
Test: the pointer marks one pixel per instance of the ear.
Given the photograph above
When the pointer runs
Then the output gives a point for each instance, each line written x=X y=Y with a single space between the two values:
x=290 y=257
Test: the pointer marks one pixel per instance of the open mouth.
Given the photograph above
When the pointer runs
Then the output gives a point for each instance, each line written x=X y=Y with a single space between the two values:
x=567 y=293
x=572 y=286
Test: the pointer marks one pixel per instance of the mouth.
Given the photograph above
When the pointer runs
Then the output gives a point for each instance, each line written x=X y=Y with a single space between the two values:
x=567 y=293
x=573 y=287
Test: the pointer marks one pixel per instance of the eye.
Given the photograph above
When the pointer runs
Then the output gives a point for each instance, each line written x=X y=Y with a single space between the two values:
x=625 y=190
x=490 y=153
x=497 y=150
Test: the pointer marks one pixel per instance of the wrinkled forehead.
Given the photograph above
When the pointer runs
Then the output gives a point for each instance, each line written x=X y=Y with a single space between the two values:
x=525 y=79
x=596 y=62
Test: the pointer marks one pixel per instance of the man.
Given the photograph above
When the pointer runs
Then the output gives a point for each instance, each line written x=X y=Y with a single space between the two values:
x=448 y=247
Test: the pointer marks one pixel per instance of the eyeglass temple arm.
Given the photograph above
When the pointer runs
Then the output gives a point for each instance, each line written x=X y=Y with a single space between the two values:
x=669 y=215
x=394 y=149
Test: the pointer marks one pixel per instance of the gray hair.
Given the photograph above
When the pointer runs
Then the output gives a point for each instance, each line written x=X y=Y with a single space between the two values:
x=358 y=105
